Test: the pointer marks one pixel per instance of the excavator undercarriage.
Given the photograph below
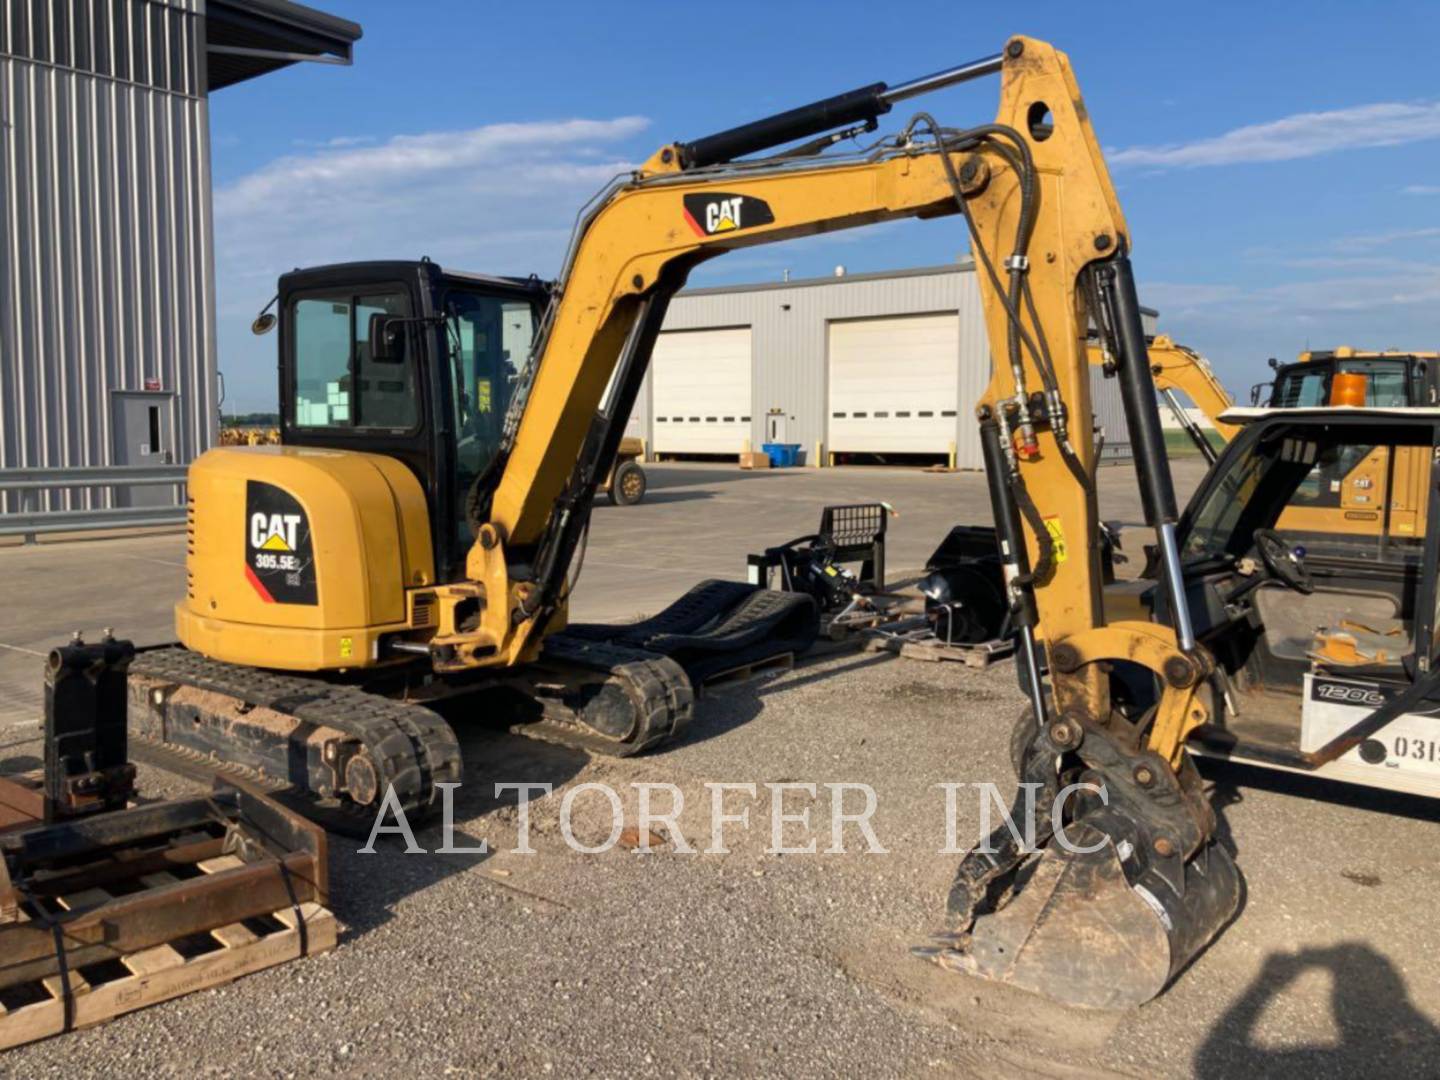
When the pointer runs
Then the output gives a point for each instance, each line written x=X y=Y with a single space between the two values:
x=336 y=746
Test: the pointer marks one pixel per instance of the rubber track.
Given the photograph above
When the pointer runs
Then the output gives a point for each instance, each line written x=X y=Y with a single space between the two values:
x=336 y=816
x=661 y=686
x=715 y=626
x=412 y=747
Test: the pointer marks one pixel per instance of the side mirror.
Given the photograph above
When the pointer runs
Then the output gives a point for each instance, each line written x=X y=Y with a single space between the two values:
x=387 y=339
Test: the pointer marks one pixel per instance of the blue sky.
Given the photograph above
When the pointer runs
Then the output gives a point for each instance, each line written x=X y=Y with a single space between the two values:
x=1279 y=164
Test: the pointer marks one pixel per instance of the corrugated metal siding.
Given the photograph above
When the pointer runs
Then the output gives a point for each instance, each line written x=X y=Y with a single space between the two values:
x=790 y=340
x=104 y=227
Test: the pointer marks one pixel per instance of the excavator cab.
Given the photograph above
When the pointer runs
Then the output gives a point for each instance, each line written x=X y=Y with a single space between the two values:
x=410 y=361
x=1392 y=379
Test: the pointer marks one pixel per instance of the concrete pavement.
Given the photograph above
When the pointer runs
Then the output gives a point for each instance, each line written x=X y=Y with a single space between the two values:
x=697 y=521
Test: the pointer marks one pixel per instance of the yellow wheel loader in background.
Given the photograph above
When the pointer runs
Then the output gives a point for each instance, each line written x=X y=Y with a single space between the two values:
x=1373 y=494
x=443 y=436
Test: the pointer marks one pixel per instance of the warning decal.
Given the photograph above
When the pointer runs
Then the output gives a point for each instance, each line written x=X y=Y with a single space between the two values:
x=279 y=560
x=1057 y=539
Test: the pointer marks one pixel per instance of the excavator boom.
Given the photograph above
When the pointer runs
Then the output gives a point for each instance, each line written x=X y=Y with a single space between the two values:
x=1052 y=246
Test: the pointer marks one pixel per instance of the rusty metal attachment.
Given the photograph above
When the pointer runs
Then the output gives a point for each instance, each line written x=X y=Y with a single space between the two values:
x=87 y=767
x=89 y=907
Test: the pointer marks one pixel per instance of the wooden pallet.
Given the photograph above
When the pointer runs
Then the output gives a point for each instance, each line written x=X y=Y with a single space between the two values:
x=925 y=646
x=22 y=800
x=202 y=961
x=730 y=677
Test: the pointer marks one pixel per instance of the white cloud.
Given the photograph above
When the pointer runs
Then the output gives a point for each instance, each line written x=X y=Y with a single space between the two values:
x=338 y=142
x=1421 y=189
x=1365 y=241
x=1354 y=293
x=1237 y=326
x=499 y=199
x=404 y=163
x=1302 y=135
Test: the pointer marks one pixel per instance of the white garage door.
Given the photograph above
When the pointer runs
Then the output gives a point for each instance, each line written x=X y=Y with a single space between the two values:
x=894 y=383
x=701 y=397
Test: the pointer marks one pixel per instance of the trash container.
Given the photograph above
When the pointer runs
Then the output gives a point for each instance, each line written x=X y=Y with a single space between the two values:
x=782 y=455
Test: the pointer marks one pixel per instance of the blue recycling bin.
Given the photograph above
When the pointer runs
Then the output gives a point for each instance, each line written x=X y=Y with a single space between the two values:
x=782 y=455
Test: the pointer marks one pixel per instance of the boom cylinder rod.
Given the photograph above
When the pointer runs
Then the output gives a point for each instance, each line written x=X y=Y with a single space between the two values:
x=852 y=107
x=1015 y=559
x=1192 y=429
x=926 y=84
x=1147 y=440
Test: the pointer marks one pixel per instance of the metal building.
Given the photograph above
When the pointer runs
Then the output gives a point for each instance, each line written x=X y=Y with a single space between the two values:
x=107 y=294
x=884 y=365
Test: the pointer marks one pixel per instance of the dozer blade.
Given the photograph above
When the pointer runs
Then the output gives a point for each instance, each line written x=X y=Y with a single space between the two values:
x=1078 y=932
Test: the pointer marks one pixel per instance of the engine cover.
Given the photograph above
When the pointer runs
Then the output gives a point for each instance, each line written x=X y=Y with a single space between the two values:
x=300 y=558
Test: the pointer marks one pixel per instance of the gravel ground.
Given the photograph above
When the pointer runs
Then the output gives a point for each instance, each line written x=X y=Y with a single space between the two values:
x=626 y=964
x=671 y=963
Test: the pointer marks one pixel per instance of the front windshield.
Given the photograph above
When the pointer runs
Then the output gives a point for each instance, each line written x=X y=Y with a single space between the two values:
x=488 y=339
x=1344 y=490
x=1307 y=385
x=1386 y=382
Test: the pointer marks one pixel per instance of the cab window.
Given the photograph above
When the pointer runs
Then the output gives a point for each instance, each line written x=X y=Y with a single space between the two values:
x=489 y=340
x=336 y=381
x=1387 y=385
x=1301 y=390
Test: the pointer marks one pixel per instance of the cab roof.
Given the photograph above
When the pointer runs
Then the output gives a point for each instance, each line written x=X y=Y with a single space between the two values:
x=395 y=270
x=1345 y=352
x=1250 y=415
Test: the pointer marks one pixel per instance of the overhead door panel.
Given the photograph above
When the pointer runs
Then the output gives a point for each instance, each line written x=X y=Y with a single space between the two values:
x=894 y=383
x=701 y=393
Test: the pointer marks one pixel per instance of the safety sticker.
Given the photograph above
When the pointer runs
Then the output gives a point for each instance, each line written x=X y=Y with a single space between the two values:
x=279 y=558
x=1058 y=550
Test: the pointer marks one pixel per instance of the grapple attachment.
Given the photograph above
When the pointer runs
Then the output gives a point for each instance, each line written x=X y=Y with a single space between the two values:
x=1079 y=932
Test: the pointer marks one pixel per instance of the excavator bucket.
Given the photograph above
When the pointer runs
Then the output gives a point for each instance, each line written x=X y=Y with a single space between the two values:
x=1078 y=932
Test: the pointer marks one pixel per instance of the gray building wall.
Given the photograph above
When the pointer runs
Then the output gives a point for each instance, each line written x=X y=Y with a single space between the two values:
x=106 y=282
x=789 y=342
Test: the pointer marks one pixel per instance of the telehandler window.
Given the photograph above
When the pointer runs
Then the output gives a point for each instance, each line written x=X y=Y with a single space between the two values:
x=335 y=381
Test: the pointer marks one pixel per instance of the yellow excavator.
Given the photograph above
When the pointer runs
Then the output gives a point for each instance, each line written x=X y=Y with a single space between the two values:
x=1373 y=494
x=416 y=535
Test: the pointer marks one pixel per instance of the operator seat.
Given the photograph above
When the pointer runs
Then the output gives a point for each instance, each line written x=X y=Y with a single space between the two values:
x=1300 y=627
x=1352 y=643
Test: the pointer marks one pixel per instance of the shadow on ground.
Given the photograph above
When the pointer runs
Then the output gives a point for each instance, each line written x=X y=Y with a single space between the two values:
x=1376 y=1024
x=1231 y=779
x=367 y=887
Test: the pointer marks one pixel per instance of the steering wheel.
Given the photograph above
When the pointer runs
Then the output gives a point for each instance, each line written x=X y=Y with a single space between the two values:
x=1284 y=563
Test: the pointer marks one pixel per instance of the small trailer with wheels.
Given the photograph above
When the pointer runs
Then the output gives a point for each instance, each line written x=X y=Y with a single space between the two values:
x=626 y=482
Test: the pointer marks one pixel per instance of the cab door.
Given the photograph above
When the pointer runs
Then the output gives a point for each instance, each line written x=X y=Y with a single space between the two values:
x=335 y=393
